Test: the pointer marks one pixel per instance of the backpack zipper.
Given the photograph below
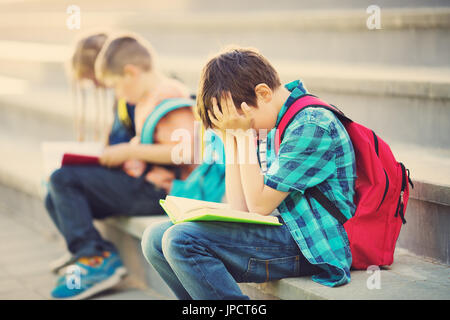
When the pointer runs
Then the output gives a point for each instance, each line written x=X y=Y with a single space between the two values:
x=375 y=141
x=401 y=204
x=386 y=188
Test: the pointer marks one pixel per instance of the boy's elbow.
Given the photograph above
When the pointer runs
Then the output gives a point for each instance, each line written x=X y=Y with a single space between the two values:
x=262 y=210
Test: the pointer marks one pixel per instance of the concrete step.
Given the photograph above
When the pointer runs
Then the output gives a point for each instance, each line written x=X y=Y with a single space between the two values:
x=410 y=276
x=38 y=62
x=327 y=36
x=45 y=64
x=409 y=36
x=420 y=93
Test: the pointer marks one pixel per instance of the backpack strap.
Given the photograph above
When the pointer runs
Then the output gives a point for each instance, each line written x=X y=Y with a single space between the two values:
x=307 y=101
x=149 y=127
x=326 y=203
x=160 y=110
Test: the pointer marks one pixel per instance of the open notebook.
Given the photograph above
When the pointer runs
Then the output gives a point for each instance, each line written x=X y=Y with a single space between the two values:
x=183 y=209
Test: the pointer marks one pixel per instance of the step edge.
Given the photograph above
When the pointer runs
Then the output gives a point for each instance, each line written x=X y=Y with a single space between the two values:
x=332 y=20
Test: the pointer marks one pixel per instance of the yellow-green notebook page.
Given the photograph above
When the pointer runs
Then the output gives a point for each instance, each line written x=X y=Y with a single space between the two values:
x=214 y=217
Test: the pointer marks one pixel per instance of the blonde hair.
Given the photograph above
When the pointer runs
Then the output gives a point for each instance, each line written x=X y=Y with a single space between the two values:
x=86 y=51
x=122 y=50
x=82 y=67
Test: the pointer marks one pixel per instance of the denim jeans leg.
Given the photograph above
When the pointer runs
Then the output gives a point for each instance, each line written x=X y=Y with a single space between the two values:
x=210 y=258
x=48 y=203
x=81 y=193
x=152 y=249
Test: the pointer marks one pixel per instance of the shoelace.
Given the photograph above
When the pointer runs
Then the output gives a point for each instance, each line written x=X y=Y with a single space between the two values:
x=95 y=260
x=91 y=261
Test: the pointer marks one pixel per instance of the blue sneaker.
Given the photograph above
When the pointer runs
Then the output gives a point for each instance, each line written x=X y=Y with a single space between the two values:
x=89 y=276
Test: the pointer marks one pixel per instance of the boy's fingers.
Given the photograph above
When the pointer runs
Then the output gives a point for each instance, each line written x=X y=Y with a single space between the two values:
x=231 y=106
x=214 y=101
x=213 y=119
x=227 y=104
x=211 y=116
x=246 y=109
x=216 y=110
x=215 y=123
x=247 y=113
x=224 y=104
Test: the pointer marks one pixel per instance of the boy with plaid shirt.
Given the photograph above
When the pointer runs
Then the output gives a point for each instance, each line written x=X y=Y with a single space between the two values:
x=240 y=91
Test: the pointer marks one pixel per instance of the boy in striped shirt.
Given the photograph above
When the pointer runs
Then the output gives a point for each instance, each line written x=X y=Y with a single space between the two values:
x=240 y=95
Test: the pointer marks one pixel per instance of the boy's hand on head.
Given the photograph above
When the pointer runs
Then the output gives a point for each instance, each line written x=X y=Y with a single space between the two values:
x=116 y=155
x=229 y=118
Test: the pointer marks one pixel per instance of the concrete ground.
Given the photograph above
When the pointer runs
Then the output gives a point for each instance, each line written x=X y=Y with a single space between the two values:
x=24 y=266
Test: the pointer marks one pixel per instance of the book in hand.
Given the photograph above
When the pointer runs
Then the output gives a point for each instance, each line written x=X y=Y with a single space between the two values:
x=59 y=153
x=79 y=159
x=183 y=210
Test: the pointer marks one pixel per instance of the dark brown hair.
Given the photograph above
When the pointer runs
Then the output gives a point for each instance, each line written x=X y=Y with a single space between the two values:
x=236 y=70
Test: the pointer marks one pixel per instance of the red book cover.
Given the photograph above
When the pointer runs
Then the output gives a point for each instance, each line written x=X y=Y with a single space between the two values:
x=79 y=159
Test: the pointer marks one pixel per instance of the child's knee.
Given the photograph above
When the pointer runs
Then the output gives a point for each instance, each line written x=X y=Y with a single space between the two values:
x=151 y=242
x=176 y=238
x=60 y=177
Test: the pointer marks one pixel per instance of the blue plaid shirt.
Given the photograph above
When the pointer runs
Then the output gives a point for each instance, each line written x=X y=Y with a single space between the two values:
x=316 y=151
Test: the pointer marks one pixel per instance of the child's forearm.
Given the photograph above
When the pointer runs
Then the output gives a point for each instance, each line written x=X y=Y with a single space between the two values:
x=252 y=180
x=259 y=197
x=153 y=153
x=233 y=185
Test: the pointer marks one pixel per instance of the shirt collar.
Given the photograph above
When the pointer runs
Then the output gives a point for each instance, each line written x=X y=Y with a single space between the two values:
x=297 y=89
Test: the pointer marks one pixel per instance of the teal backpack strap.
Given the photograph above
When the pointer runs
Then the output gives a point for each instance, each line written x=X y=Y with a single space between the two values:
x=163 y=108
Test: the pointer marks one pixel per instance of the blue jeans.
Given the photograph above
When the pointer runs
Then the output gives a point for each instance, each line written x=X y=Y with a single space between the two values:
x=79 y=194
x=206 y=260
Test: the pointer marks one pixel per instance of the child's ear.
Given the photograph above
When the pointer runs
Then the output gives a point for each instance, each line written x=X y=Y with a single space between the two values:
x=130 y=70
x=263 y=92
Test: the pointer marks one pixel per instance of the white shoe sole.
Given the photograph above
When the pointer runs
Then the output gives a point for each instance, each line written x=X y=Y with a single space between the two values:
x=57 y=265
x=120 y=273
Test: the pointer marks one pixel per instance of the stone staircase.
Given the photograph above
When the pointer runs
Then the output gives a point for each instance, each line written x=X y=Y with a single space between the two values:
x=395 y=80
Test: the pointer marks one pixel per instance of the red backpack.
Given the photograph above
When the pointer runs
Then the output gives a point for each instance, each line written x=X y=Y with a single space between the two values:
x=381 y=190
